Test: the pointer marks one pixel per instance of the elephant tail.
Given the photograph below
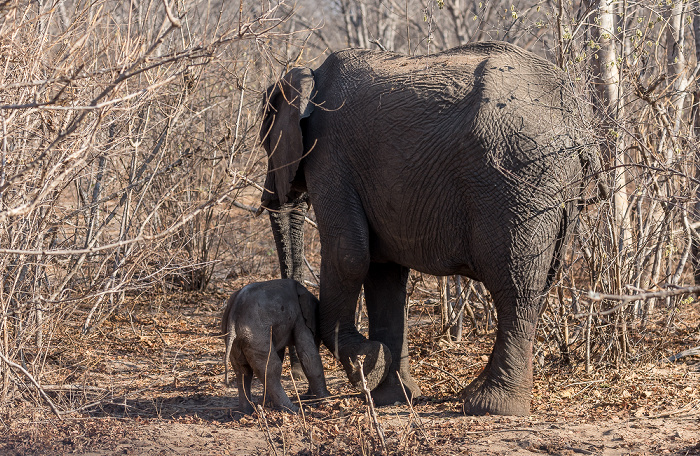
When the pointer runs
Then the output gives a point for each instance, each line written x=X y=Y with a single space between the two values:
x=230 y=336
x=562 y=240
x=592 y=166
x=228 y=331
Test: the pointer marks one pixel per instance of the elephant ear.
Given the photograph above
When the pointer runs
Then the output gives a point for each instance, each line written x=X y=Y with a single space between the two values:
x=309 y=308
x=284 y=105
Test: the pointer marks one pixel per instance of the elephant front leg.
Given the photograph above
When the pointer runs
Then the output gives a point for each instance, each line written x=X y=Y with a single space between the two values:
x=310 y=360
x=385 y=296
x=344 y=264
x=505 y=385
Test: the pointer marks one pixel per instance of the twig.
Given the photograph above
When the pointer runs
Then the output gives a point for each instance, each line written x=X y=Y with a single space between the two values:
x=54 y=409
x=413 y=411
x=256 y=210
x=502 y=430
x=266 y=428
x=311 y=270
x=685 y=408
x=370 y=405
x=626 y=299
x=140 y=238
x=690 y=352
x=380 y=45
x=301 y=407
x=171 y=17
x=458 y=381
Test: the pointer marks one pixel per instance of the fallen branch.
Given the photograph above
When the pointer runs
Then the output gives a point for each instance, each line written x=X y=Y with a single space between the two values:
x=24 y=371
x=675 y=291
x=626 y=299
x=686 y=408
x=370 y=406
x=690 y=352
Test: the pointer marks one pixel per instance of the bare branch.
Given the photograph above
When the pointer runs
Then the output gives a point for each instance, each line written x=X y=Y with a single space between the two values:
x=31 y=378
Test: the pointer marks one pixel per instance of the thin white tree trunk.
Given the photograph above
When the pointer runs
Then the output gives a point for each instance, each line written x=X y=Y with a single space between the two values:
x=677 y=66
x=610 y=106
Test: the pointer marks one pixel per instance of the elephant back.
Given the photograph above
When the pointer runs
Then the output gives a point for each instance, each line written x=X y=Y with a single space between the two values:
x=513 y=107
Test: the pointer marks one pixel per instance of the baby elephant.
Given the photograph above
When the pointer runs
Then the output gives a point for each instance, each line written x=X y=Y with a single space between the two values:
x=260 y=320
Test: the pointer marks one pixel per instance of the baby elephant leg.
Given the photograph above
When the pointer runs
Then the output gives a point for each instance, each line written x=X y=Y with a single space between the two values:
x=244 y=375
x=268 y=368
x=310 y=360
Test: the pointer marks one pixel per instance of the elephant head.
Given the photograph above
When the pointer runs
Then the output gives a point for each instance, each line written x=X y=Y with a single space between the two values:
x=285 y=104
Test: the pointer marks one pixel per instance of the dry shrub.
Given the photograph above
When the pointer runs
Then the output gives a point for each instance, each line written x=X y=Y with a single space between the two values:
x=127 y=138
x=128 y=162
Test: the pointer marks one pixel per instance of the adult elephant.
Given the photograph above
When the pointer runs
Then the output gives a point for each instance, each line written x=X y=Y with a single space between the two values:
x=470 y=162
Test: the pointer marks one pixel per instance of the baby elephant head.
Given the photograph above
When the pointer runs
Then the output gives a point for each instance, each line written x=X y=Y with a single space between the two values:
x=308 y=304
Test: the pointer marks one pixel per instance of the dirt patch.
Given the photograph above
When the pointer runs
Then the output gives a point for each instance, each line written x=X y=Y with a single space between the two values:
x=435 y=434
x=154 y=376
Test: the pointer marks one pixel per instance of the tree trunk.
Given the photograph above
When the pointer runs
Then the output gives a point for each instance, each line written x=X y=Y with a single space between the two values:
x=696 y=133
x=610 y=106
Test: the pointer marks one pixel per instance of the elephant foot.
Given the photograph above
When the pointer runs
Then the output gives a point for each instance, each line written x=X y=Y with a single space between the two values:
x=484 y=396
x=377 y=360
x=309 y=394
x=390 y=391
x=289 y=409
x=285 y=406
x=297 y=372
x=246 y=408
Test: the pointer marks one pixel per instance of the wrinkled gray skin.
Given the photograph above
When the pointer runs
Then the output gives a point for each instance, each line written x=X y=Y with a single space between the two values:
x=287 y=224
x=470 y=162
x=279 y=311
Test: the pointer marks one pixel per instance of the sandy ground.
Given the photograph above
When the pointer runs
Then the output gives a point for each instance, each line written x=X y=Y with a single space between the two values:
x=154 y=375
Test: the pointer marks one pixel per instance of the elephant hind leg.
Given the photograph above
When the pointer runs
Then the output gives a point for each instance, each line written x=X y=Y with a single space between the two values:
x=268 y=368
x=505 y=385
x=297 y=370
x=385 y=295
x=518 y=269
x=244 y=376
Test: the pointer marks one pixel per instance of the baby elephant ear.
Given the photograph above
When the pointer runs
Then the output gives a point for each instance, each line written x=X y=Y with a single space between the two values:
x=309 y=307
x=284 y=105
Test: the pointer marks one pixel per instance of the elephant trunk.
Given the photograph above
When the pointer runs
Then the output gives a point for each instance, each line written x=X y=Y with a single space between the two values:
x=287 y=222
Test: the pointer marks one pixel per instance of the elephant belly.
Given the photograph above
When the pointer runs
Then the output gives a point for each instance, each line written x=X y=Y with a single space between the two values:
x=436 y=247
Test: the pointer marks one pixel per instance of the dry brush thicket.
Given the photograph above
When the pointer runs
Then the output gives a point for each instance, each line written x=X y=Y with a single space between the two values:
x=128 y=156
